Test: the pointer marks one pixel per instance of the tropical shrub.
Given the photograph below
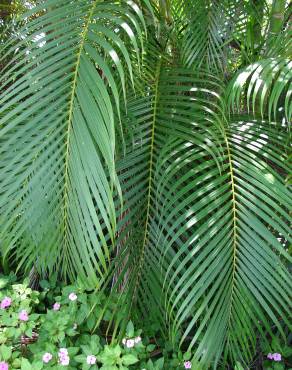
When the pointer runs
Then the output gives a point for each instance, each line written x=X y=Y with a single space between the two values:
x=145 y=152
x=36 y=334
x=55 y=328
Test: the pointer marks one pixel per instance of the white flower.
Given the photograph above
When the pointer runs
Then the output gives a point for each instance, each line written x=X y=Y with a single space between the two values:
x=47 y=357
x=64 y=360
x=130 y=343
x=137 y=340
x=91 y=360
x=63 y=351
x=124 y=341
x=72 y=297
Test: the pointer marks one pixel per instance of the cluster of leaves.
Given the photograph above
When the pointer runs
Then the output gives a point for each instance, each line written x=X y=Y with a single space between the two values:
x=71 y=325
x=277 y=346
x=55 y=321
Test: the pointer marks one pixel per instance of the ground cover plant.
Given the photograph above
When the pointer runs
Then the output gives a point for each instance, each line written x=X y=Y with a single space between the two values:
x=54 y=328
x=145 y=155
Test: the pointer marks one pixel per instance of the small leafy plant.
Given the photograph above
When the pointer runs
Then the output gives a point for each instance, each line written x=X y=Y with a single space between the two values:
x=277 y=354
x=56 y=328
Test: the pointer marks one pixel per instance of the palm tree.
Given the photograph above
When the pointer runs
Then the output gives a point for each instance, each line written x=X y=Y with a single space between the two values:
x=144 y=149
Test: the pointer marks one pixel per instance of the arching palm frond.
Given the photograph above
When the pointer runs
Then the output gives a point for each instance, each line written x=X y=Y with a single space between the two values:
x=205 y=34
x=265 y=88
x=57 y=134
x=280 y=45
x=195 y=228
x=164 y=111
x=219 y=244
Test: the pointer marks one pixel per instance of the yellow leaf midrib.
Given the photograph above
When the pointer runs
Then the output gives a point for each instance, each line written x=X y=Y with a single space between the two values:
x=235 y=236
x=70 y=116
x=150 y=177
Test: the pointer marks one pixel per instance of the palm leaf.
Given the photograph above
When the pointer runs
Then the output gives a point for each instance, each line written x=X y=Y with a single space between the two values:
x=205 y=33
x=195 y=228
x=264 y=87
x=211 y=230
x=57 y=187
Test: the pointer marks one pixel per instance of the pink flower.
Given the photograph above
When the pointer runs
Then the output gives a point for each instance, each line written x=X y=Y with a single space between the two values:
x=6 y=302
x=270 y=356
x=277 y=357
x=130 y=343
x=137 y=340
x=23 y=315
x=72 y=297
x=63 y=351
x=91 y=360
x=188 y=364
x=3 y=365
x=56 y=306
x=47 y=357
x=64 y=359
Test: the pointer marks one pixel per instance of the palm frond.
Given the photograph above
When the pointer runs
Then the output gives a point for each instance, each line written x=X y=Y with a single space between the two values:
x=57 y=187
x=264 y=88
x=195 y=228
x=210 y=228
x=204 y=34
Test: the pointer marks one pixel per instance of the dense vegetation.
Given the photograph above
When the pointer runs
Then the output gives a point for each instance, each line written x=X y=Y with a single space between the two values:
x=144 y=157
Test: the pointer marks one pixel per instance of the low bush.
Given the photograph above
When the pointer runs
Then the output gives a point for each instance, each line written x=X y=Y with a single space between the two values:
x=57 y=327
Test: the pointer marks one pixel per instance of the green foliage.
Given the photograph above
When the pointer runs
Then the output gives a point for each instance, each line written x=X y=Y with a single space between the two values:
x=23 y=345
x=23 y=298
x=144 y=153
